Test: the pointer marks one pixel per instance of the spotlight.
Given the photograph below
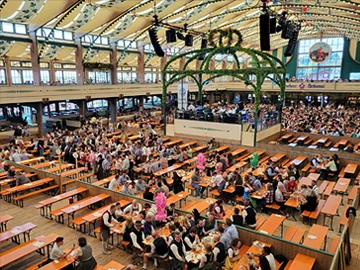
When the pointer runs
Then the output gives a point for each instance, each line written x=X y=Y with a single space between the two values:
x=155 y=42
x=170 y=36
x=204 y=43
x=189 y=40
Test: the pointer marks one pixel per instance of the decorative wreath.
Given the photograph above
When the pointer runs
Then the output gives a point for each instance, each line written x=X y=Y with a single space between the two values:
x=229 y=34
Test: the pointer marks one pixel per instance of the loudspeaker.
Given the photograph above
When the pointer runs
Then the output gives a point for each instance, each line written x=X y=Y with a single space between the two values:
x=265 y=32
x=180 y=36
x=155 y=43
x=204 y=43
x=288 y=30
x=292 y=43
x=189 y=40
x=170 y=36
x=272 y=25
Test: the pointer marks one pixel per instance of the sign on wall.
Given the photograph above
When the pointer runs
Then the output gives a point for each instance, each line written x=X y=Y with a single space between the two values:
x=182 y=96
x=319 y=52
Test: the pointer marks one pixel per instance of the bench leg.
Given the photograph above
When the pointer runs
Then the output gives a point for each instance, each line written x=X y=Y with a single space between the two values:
x=21 y=203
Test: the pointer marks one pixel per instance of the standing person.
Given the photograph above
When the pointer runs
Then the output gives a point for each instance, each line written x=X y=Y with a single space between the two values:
x=177 y=184
x=106 y=165
x=105 y=225
x=84 y=256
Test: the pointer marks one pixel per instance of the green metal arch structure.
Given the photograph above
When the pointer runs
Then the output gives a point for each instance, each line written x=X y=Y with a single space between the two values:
x=265 y=65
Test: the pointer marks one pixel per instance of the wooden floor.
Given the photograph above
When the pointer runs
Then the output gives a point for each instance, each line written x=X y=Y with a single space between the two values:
x=45 y=226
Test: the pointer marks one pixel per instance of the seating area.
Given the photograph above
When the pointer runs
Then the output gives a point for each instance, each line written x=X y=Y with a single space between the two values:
x=79 y=208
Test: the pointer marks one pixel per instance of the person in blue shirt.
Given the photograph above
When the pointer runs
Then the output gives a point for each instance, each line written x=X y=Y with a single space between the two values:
x=231 y=229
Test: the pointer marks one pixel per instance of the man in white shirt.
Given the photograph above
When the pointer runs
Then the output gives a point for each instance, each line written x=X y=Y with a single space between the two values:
x=270 y=258
x=57 y=251
x=115 y=182
x=105 y=225
x=177 y=251
x=134 y=207
x=140 y=185
x=216 y=178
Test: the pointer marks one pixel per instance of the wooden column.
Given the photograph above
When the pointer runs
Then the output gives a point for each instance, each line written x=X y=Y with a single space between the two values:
x=52 y=71
x=7 y=71
x=39 y=118
x=113 y=109
x=113 y=62
x=140 y=66
x=79 y=62
x=34 y=54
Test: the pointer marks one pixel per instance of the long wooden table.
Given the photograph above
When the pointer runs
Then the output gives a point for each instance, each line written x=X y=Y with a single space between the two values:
x=71 y=209
x=299 y=160
x=105 y=181
x=238 y=151
x=351 y=168
x=302 y=262
x=200 y=205
x=10 y=193
x=177 y=198
x=277 y=157
x=240 y=165
x=112 y=265
x=18 y=252
x=15 y=232
x=171 y=143
x=316 y=237
x=32 y=161
x=168 y=169
x=342 y=185
x=331 y=208
x=10 y=180
x=272 y=223
x=45 y=205
x=185 y=145
x=92 y=217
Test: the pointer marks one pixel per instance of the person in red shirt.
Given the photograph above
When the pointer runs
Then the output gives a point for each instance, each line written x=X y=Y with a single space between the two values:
x=292 y=185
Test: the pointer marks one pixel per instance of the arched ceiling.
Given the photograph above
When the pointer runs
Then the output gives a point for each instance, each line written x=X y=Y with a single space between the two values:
x=130 y=19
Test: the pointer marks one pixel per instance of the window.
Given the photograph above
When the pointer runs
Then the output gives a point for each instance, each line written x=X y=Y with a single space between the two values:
x=121 y=43
x=2 y=76
x=87 y=39
x=99 y=77
x=26 y=64
x=69 y=77
x=72 y=66
x=354 y=76
x=15 y=64
x=27 y=76
x=104 y=40
x=20 y=29
x=58 y=34
x=44 y=65
x=2 y=64
x=45 y=76
x=57 y=65
x=46 y=32
x=59 y=76
x=15 y=76
x=330 y=69
x=7 y=27
x=68 y=35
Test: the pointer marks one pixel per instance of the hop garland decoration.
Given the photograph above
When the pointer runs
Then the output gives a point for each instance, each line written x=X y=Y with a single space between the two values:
x=98 y=66
x=229 y=34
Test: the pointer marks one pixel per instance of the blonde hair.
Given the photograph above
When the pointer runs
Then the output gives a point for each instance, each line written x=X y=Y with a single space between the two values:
x=129 y=222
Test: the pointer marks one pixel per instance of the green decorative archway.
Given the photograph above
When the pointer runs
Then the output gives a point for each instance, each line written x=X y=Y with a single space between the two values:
x=264 y=66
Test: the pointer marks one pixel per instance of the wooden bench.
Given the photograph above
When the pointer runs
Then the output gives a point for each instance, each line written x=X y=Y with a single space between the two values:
x=306 y=169
x=342 y=173
x=35 y=266
x=307 y=142
x=327 y=144
x=291 y=140
x=239 y=200
x=334 y=245
x=343 y=219
x=352 y=194
x=285 y=161
x=315 y=214
x=190 y=189
x=188 y=205
x=19 y=200
x=259 y=222
x=288 y=265
x=273 y=206
x=264 y=160
x=323 y=186
x=215 y=193
x=299 y=236
x=3 y=221
x=329 y=189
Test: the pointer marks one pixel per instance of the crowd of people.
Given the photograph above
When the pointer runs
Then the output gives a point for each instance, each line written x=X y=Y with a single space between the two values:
x=325 y=120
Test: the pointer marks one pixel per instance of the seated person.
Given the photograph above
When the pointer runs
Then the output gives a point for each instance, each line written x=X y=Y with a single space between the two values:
x=280 y=196
x=219 y=251
x=177 y=251
x=21 y=179
x=170 y=211
x=148 y=195
x=133 y=208
x=149 y=225
x=330 y=167
x=137 y=237
x=119 y=214
x=249 y=214
x=236 y=218
x=115 y=182
x=159 y=249
x=140 y=185
x=210 y=224
x=311 y=195
x=233 y=254
x=191 y=239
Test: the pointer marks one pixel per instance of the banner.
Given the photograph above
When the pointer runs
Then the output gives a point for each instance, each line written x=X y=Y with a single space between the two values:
x=182 y=96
